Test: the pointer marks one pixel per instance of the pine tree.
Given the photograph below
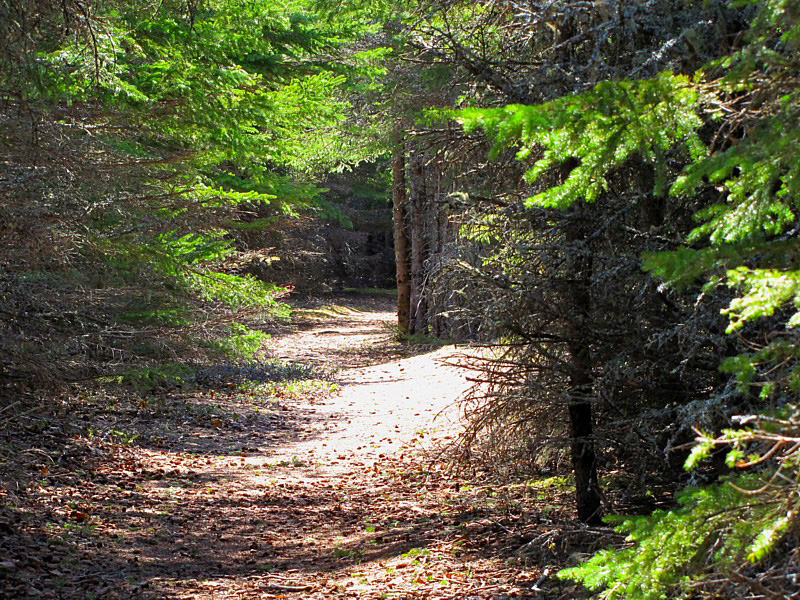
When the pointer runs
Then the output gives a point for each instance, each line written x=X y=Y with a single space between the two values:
x=745 y=241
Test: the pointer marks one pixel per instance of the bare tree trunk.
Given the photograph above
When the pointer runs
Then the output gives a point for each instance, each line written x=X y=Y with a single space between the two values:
x=418 y=243
x=437 y=246
x=401 y=242
x=584 y=460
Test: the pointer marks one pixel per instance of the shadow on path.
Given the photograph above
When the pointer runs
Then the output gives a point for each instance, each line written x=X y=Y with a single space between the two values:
x=221 y=494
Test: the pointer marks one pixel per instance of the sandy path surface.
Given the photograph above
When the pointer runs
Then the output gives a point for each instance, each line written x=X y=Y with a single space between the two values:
x=381 y=407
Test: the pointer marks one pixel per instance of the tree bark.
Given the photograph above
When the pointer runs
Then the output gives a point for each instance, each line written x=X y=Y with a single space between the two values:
x=579 y=403
x=439 y=232
x=418 y=322
x=401 y=242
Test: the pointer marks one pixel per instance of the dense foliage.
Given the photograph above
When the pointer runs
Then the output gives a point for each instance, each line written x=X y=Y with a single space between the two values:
x=732 y=126
x=138 y=139
x=744 y=241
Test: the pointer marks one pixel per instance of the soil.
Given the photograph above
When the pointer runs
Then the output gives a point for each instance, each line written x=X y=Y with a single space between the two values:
x=338 y=489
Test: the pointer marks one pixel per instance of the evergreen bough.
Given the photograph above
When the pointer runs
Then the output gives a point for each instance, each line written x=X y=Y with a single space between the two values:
x=746 y=240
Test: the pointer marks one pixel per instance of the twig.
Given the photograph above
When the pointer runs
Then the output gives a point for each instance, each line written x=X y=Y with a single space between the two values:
x=754 y=585
x=12 y=405
x=286 y=588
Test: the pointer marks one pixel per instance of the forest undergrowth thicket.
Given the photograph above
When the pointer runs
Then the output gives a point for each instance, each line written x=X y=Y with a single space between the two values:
x=143 y=148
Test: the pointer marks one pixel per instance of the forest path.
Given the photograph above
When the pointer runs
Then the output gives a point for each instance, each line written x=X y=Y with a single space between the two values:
x=345 y=499
x=276 y=491
x=390 y=395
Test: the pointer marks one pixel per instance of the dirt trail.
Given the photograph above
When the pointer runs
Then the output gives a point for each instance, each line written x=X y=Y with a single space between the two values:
x=228 y=494
x=380 y=407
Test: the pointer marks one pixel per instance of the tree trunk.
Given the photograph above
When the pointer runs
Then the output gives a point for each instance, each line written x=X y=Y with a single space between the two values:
x=401 y=242
x=418 y=322
x=584 y=461
x=437 y=246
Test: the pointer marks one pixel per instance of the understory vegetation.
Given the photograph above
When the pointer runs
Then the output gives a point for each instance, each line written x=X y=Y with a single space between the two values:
x=142 y=145
x=604 y=197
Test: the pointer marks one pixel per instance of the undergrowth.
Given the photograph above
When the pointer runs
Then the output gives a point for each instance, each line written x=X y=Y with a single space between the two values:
x=419 y=338
x=736 y=536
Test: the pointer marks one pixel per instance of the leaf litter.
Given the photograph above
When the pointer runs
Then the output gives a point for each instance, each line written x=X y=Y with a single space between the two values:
x=322 y=493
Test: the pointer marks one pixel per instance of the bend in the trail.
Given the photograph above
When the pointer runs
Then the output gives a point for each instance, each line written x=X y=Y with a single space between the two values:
x=214 y=493
x=381 y=406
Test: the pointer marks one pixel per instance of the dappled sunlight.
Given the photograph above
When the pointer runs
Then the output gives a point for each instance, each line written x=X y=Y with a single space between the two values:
x=307 y=488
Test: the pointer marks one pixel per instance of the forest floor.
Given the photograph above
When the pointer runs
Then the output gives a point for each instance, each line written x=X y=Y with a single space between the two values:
x=312 y=489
